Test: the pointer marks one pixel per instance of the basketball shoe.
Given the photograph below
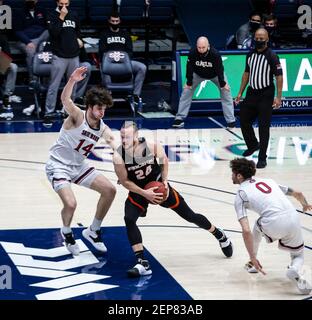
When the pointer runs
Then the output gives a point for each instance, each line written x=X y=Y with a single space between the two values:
x=226 y=245
x=70 y=243
x=303 y=285
x=142 y=268
x=250 y=267
x=94 y=237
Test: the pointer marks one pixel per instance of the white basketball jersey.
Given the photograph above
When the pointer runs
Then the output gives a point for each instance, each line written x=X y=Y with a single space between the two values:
x=263 y=196
x=73 y=146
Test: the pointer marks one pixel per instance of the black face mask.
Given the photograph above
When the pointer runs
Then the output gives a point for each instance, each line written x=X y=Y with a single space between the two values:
x=270 y=29
x=114 y=26
x=202 y=55
x=254 y=25
x=260 y=44
x=30 y=5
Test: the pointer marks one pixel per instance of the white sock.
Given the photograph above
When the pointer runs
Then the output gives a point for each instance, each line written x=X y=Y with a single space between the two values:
x=297 y=260
x=96 y=224
x=66 y=230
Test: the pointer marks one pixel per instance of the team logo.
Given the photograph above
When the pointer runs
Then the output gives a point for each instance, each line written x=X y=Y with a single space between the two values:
x=46 y=57
x=117 y=55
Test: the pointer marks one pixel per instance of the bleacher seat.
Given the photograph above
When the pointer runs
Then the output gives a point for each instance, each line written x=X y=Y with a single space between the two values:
x=287 y=17
x=162 y=12
x=99 y=10
x=117 y=75
x=131 y=11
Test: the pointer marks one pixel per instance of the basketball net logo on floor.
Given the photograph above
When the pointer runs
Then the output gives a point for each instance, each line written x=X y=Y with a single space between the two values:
x=65 y=284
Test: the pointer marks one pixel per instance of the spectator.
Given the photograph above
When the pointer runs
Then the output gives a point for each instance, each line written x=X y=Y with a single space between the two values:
x=31 y=29
x=63 y=26
x=9 y=82
x=119 y=40
x=245 y=33
x=205 y=63
x=82 y=85
x=270 y=24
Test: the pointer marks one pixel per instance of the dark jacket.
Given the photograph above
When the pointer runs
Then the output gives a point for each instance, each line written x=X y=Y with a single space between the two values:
x=29 y=27
x=118 y=41
x=207 y=66
x=64 y=34
x=4 y=44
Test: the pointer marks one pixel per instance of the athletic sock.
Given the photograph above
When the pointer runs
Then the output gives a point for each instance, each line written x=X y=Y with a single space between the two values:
x=66 y=230
x=96 y=224
x=139 y=255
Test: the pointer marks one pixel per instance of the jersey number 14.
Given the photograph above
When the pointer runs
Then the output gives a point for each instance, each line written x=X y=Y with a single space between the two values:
x=86 y=148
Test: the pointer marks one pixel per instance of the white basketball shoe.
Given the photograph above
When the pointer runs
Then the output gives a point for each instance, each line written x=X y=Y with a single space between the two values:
x=70 y=243
x=250 y=267
x=142 y=268
x=303 y=285
x=94 y=237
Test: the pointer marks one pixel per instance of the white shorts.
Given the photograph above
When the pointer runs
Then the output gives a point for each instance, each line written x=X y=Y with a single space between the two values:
x=285 y=228
x=61 y=175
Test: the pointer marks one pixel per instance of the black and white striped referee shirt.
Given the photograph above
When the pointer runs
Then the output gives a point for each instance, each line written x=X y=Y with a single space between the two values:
x=261 y=67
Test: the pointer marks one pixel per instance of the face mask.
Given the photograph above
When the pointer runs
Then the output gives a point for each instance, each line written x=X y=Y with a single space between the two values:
x=254 y=25
x=260 y=44
x=114 y=26
x=270 y=29
x=30 y=5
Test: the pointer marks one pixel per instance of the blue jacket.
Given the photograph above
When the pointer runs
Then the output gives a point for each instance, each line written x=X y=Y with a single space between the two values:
x=28 y=27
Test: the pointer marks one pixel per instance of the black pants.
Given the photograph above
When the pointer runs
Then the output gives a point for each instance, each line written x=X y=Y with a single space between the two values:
x=257 y=104
x=136 y=206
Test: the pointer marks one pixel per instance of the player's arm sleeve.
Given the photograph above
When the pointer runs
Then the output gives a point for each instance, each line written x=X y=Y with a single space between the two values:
x=241 y=201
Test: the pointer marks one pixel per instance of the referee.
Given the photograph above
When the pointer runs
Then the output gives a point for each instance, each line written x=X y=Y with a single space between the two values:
x=261 y=64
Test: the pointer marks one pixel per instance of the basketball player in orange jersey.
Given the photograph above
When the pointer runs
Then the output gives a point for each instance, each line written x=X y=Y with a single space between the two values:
x=67 y=162
x=278 y=218
x=135 y=163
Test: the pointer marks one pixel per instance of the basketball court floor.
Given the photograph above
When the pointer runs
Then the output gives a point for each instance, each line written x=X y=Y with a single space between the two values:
x=187 y=262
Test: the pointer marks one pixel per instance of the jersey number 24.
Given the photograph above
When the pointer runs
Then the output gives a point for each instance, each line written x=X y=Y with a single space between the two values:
x=140 y=174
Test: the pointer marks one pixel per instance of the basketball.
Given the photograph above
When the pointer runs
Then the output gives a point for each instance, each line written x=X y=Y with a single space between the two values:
x=160 y=185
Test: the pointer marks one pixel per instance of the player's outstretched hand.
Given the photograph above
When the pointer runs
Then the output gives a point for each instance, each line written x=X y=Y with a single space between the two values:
x=257 y=265
x=79 y=74
x=307 y=207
